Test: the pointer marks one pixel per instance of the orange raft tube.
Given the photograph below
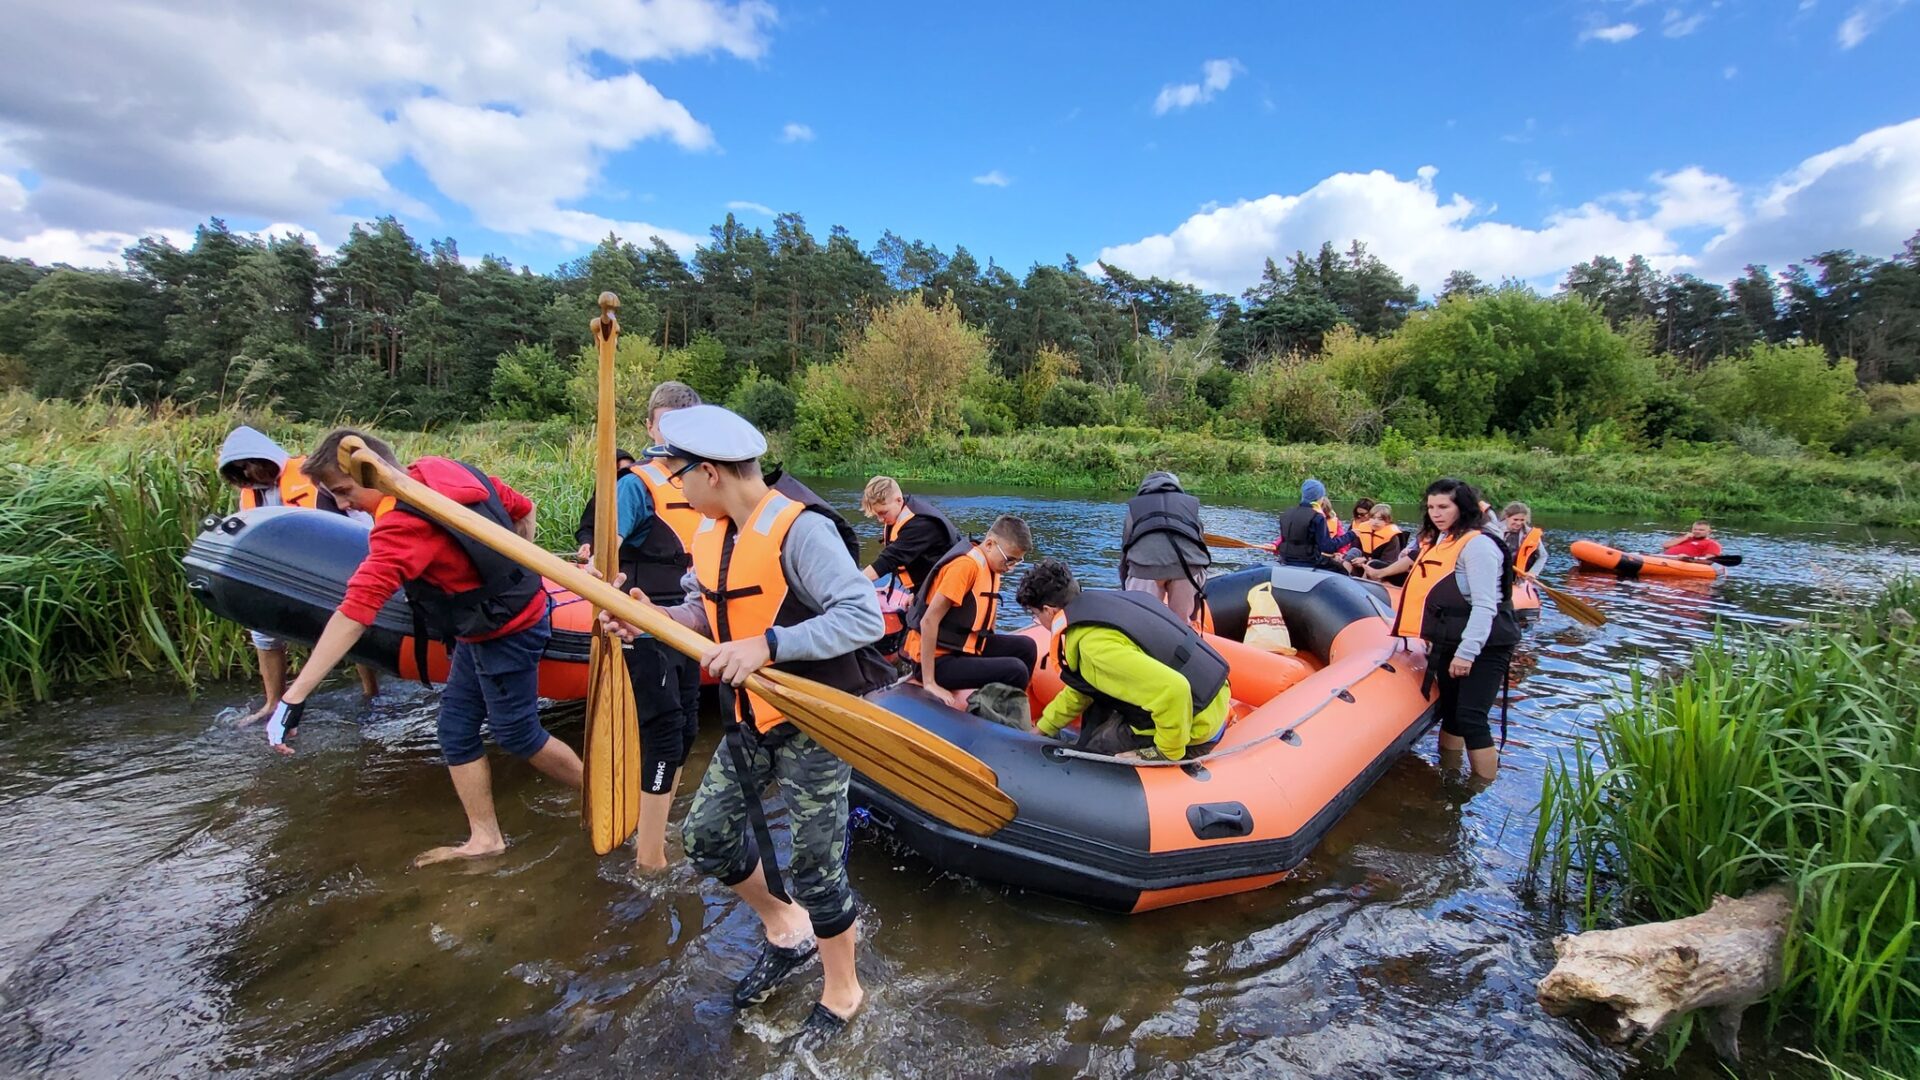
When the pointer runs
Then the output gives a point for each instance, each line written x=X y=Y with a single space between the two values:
x=1304 y=741
x=1627 y=565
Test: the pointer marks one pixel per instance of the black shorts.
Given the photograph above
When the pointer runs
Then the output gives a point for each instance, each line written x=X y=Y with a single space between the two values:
x=666 y=693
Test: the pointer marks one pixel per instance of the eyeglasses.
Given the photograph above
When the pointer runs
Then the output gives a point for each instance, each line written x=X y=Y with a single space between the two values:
x=1007 y=557
x=678 y=478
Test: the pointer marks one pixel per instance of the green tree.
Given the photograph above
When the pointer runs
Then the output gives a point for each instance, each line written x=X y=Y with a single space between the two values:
x=1792 y=389
x=909 y=367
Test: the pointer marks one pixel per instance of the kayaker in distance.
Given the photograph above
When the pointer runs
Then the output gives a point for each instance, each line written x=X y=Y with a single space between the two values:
x=1163 y=550
x=1698 y=543
x=492 y=610
x=656 y=527
x=1141 y=681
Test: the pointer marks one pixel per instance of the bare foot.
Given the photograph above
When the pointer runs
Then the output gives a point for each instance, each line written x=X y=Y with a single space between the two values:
x=256 y=716
x=472 y=849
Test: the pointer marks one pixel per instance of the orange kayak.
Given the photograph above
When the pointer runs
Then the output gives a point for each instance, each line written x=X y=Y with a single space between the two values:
x=1602 y=557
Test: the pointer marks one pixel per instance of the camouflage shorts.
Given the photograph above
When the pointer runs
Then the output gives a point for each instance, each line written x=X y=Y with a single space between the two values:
x=813 y=785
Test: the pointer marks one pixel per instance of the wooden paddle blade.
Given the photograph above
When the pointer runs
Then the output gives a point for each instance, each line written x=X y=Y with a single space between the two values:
x=1216 y=540
x=1578 y=609
x=610 y=751
x=897 y=754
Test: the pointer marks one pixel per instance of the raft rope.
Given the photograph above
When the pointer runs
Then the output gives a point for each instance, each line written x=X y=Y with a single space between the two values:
x=1338 y=693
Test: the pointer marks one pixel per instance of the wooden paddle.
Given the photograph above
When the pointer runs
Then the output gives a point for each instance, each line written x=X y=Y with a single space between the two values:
x=1578 y=609
x=1216 y=540
x=610 y=751
x=902 y=757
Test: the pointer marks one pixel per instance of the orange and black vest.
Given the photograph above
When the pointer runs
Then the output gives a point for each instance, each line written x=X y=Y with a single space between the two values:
x=295 y=489
x=1378 y=540
x=1433 y=607
x=1526 y=549
x=1159 y=633
x=657 y=560
x=965 y=626
x=912 y=573
x=745 y=592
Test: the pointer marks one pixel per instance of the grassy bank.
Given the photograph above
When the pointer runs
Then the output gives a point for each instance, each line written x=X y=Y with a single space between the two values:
x=1717 y=482
x=1768 y=758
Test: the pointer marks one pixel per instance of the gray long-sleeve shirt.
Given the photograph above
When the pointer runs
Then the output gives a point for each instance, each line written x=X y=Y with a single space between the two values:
x=1477 y=572
x=824 y=578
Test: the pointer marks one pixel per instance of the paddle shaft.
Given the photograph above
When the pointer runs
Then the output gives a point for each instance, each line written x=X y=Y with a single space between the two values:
x=606 y=510
x=1216 y=540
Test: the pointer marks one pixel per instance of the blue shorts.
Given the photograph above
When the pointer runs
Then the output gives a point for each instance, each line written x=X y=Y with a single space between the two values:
x=497 y=683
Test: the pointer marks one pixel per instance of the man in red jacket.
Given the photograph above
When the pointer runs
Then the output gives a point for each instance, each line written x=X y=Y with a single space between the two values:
x=493 y=611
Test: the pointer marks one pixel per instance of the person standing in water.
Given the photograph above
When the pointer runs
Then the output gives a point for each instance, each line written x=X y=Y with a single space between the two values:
x=263 y=474
x=656 y=525
x=493 y=611
x=1163 y=550
x=773 y=583
x=1457 y=597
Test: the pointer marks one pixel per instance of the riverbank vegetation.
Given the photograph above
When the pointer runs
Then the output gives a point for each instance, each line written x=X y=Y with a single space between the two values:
x=900 y=348
x=1768 y=758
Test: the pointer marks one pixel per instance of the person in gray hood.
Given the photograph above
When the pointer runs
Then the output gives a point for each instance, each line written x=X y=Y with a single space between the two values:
x=262 y=473
x=1163 y=551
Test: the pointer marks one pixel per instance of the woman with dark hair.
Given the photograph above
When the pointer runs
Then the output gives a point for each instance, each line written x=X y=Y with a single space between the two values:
x=1457 y=598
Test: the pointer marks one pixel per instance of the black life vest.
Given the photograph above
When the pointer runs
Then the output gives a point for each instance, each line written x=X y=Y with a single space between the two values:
x=1160 y=634
x=969 y=621
x=781 y=481
x=1300 y=531
x=1173 y=512
x=505 y=590
x=920 y=568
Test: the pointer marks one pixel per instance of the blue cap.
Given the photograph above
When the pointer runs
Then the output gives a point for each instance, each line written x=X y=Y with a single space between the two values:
x=1312 y=491
x=708 y=433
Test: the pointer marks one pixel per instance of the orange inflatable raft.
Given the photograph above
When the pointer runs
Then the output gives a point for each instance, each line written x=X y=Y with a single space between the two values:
x=1627 y=565
x=1307 y=736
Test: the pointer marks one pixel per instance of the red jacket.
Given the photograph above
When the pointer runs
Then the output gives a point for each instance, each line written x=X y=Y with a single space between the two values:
x=407 y=547
x=1695 y=549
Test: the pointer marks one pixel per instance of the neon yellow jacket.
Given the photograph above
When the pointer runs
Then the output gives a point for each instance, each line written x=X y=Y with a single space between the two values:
x=1111 y=661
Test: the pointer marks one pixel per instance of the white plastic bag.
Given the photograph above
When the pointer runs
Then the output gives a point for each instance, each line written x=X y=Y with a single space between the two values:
x=1266 y=627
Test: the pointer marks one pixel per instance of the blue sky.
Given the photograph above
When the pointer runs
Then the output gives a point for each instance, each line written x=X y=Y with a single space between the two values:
x=1191 y=141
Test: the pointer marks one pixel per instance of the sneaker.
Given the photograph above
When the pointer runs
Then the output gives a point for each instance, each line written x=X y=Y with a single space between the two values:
x=821 y=1026
x=768 y=972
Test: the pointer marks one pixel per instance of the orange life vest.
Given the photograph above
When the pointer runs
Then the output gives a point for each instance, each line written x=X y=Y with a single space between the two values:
x=295 y=488
x=670 y=503
x=965 y=626
x=745 y=592
x=1432 y=605
x=1373 y=536
x=384 y=506
x=1529 y=544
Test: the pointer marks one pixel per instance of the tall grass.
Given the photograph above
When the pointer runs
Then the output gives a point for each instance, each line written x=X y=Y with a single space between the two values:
x=1767 y=758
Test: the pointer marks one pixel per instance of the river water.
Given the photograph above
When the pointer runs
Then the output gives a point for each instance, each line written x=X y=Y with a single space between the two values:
x=179 y=902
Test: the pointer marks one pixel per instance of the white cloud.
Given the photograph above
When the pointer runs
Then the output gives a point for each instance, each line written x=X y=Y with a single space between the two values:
x=995 y=178
x=1215 y=76
x=742 y=206
x=1864 y=19
x=1729 y=71
x=1612 y=35
x=1865 y=196
x=796 y=133
x=510 y=108
x=1678 y=24
x=1544 y=177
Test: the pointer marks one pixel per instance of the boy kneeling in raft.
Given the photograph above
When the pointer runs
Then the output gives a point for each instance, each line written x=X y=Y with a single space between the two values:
x=772 y=583
x=493 y=611
x=950 y=622
x=1143 y=683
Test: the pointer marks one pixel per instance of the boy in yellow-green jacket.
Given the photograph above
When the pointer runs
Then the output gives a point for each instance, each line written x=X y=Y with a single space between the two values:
x=1141 y=681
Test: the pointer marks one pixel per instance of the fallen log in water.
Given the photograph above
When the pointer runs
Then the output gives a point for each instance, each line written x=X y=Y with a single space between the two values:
x=1628 y=985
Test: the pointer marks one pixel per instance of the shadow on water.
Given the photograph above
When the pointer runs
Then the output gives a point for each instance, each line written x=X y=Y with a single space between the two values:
x=178 y=902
